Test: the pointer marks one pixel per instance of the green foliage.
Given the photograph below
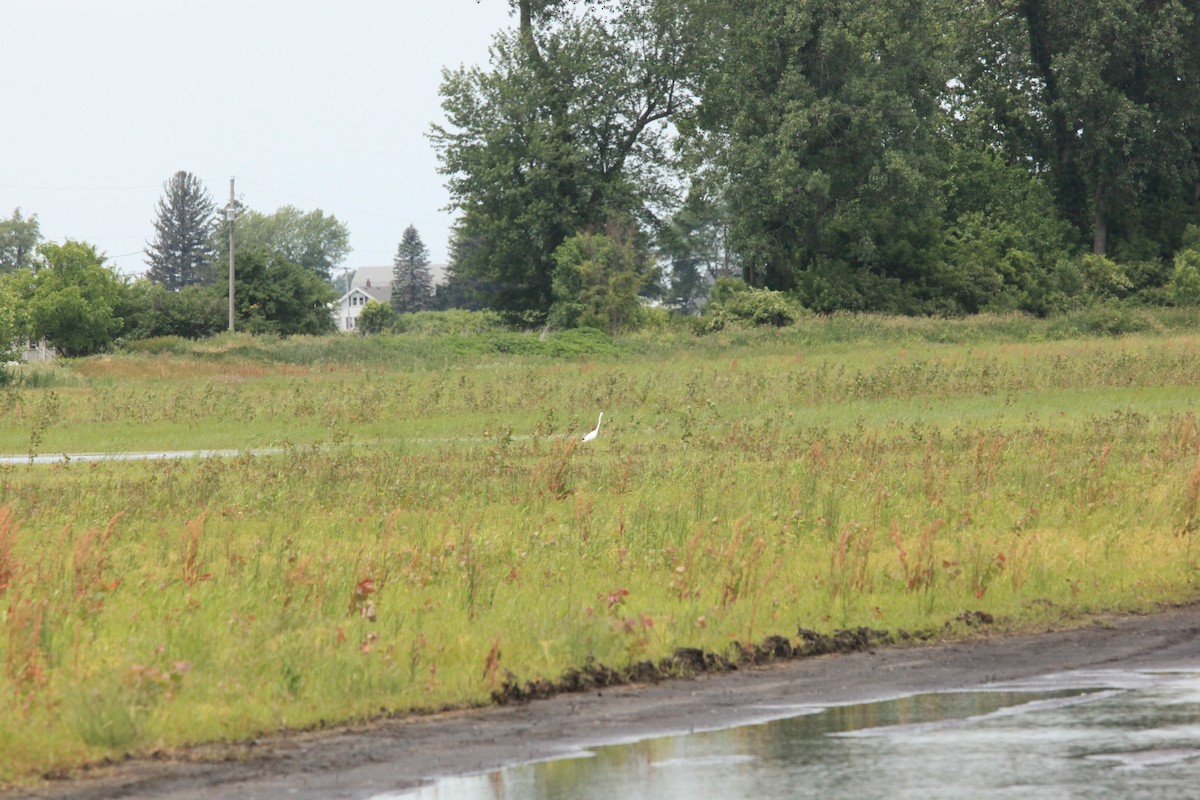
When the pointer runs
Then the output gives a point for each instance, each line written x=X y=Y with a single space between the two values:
x=827 y=115
x=1103 y=278
x=313 y=240
x=455 y=322
x=921 y=157
x=564 y=130
x=733 y=301
x=158 y=345
x=18 y=240
x=1108 y=319
x=596 y=282
x=412 y=283
x=275 y=296
x=375 y=317
x=9 y=333
x=182 y=251
x=1185 y=281
x=151 y=310
x=74 y=299
x=1004 y=239
x=847 y=470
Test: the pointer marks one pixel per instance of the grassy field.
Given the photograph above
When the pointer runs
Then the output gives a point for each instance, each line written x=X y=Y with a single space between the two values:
x=434 y=528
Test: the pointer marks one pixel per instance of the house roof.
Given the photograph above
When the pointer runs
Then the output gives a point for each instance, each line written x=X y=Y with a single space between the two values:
x=382 y=294
x=382 y=276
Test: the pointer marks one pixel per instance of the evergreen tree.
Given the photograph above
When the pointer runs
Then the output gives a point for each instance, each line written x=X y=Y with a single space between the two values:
x=459 y=290
x=412 y=283
x=182 y=251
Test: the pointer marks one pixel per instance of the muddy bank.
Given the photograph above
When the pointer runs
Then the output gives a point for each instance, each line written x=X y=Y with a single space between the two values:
x=390 y=755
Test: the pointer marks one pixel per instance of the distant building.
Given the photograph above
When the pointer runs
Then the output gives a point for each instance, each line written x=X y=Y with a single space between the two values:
x=371 y=283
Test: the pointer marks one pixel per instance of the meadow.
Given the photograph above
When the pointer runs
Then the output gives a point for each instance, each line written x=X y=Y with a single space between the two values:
x=433 y=530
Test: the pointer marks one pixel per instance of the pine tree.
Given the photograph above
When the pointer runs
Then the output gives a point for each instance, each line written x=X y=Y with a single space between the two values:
x=182 y=251
x=412 y=283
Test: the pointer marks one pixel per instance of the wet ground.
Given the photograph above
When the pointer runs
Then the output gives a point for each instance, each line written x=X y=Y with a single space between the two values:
x=392 y=756
x=1095 y=734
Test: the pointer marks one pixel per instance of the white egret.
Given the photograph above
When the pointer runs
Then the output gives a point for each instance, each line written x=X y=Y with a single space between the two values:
x=595 y=432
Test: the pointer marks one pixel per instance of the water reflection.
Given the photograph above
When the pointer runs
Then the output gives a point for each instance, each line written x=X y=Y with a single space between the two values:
x=1137 y=738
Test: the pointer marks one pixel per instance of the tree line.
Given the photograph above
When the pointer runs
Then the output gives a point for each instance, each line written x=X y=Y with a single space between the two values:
x=906 y=156
x=285 y=276
x=903 y=156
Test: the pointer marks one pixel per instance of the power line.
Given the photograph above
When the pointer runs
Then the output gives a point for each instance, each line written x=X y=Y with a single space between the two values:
x=78 y=188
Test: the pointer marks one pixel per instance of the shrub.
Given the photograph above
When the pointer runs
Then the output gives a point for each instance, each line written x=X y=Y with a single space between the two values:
x=376 y=317
x=735 y=301
x=1185 y=281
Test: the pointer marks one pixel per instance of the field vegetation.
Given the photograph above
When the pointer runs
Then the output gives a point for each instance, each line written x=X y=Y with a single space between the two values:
x=432 y=530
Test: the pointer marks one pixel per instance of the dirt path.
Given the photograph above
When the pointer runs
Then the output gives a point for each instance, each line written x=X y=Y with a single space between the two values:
x=392 y=755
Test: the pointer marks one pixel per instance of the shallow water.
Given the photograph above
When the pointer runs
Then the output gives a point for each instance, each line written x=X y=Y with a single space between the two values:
x=1077 y=735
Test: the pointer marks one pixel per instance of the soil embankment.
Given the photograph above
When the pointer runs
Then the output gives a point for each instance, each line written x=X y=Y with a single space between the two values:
x=391 y=755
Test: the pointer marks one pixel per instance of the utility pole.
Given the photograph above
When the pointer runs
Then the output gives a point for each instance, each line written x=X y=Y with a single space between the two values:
x=229 y=218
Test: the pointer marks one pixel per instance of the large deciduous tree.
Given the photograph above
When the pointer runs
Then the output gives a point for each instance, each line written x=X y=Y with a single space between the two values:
x=412 y=283
x=1104 y=99
x=828 y=119
x=274 y=295
x=182 y=253
x=18 y=239
x=74 y=297
x=312 y=239
x=568 y=128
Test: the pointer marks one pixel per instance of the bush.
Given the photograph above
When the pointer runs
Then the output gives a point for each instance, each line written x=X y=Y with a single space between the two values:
x=1104 y=319
x=376 y=317
x=733 y=301
x=1103 y=278
x=1185 y=281
x=450 y=322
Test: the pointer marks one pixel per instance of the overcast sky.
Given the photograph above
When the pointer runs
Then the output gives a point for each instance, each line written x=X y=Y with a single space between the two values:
x=314 y=104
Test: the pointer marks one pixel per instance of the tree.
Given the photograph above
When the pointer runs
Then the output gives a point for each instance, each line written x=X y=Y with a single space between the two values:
x=412 y=283
x=826 y=118
x=596 y=281
x=193 y=312
x=313 y=240
x=695 y=246
x=9 y=326
x=459 y=289
x=567 y=129
x=274 y=295
x=74 y=297
x=375 y=317
x=182 y=252
x=18 y=239
x=1103 y=100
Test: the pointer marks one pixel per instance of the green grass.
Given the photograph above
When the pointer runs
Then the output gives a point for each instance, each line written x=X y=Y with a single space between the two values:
x=842 y=472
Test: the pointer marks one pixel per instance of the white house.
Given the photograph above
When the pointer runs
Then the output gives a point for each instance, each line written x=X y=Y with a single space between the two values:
x=351 y=304
x=371 y=283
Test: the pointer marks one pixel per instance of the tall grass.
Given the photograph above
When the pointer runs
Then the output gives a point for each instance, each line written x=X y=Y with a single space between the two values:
x=428 y=535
